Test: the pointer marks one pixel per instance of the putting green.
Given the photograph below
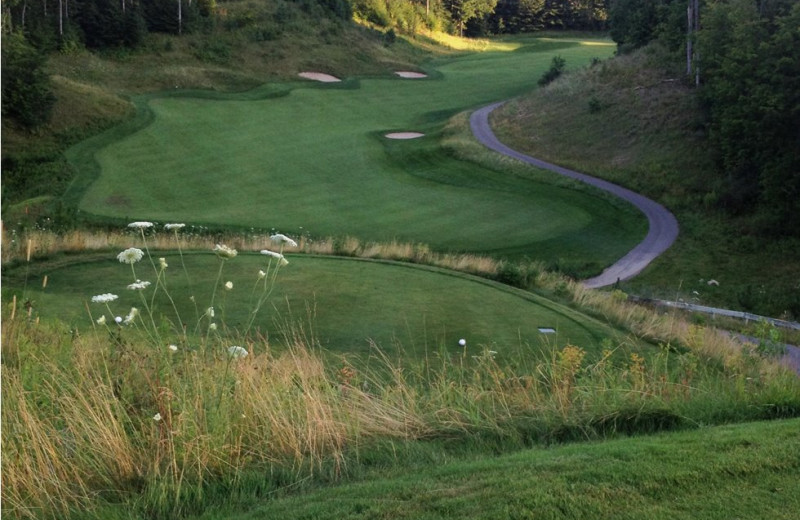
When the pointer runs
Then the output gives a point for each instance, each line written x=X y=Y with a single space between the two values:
x=345 y=303
x=311 y=158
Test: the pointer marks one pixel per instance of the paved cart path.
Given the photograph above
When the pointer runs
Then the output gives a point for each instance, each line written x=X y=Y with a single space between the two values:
x=663 y=225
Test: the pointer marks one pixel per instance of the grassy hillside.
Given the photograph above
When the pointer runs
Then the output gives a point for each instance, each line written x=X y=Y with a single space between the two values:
x=629 y=121
x=714 y=473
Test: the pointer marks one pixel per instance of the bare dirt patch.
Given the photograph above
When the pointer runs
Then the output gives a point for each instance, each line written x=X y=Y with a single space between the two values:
x=403 y=135
x=410 y=74
x=319 y=76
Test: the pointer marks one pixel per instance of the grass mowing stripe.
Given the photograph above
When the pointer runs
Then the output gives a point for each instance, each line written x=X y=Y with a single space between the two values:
x=743 y=471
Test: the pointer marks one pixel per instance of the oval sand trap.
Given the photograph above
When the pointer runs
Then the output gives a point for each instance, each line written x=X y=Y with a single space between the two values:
x=411 y=75
x=319 y=76
x=403 y=135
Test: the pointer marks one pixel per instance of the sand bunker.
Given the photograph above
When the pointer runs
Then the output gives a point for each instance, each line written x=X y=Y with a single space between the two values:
x=403 y=135
x=410 y=75
x=319 y=76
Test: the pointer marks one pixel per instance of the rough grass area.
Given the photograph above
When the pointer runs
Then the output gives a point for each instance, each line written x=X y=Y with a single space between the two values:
x=99 y=425
x=625 y=121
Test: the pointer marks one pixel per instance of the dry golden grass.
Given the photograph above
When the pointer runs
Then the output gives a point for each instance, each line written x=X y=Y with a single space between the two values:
x=84 y=413
x=36 y=243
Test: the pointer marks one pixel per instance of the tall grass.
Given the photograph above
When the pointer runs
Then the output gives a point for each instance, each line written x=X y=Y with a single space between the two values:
x=88 y=416
x=46 y=243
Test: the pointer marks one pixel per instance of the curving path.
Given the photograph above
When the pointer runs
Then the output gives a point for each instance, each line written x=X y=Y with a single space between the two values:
x=663 y=225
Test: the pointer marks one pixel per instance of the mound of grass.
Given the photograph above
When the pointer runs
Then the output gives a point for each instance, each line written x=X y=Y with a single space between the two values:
x=347 y=305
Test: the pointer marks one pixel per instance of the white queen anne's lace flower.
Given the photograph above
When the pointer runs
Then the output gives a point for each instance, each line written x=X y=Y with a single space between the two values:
x=101 y=320
x=130 y=255
x=225 y=252
x=174 y=226
x=281 y=239
x=104 y=298
x=229 y=285
x=237 y=351
x=157 y=417
x=162 y=262
x=140 y=225
x=131 y=316
x=139 y=285
x=282 y=259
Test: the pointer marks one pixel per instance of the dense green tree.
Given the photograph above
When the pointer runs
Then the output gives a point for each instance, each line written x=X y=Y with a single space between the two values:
x=751 y=91
x=463 y=11
x=633 y=23
x=27 y=97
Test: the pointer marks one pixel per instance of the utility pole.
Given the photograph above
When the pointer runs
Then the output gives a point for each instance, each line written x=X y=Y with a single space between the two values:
x=692 y=54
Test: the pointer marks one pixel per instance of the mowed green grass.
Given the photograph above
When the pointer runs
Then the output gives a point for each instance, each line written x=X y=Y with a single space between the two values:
x=743 y=471
x=314 y=160
x=346 y=304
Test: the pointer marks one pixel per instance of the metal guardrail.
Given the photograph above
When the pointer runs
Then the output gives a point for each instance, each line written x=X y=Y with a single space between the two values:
x=747 y=316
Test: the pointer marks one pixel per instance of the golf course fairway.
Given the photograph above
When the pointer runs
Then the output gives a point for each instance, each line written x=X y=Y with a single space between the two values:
x=312 y=158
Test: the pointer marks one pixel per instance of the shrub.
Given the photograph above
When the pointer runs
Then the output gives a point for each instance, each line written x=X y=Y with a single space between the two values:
x=389 y=37
x=27 y=97
x=556 y=68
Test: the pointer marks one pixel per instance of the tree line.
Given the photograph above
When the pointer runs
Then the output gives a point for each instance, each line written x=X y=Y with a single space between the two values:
x=484 y=17
x=744 y=58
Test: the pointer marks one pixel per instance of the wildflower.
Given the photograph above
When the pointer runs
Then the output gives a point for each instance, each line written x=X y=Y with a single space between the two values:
x=462 y=342
x=140 y=225
x=130 y=255
x=237 y=352
x=157 y=417
x=131 y=316
x=261 y=274
x=139 y=285
x=224 y=251
x=213 y=326
x=173 y=348
x=104 y=298
x=282 y=259
x=170 y=227
x=118 y=319
x=210 y=312
x=229 y=285
x=163 y=263
x=281 y=239
x=101 y=320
